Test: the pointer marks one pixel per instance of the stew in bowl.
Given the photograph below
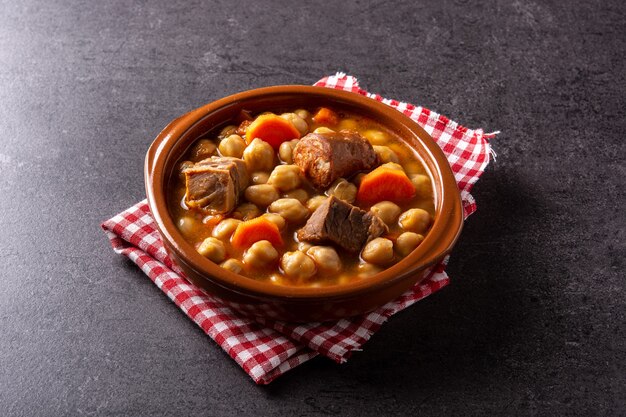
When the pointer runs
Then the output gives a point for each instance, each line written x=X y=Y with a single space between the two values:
x=308 y=197
x=301 y=203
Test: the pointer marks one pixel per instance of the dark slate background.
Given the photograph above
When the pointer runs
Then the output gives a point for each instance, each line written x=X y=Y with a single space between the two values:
x=534 y=322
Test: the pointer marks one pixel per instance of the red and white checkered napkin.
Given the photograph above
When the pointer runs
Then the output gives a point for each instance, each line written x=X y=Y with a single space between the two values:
x=265 y=348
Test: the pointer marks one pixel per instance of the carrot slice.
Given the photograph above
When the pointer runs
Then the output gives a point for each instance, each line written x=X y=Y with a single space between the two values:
x=385 y=184
x=271 y=129
x=254 y=230
x=326 y=116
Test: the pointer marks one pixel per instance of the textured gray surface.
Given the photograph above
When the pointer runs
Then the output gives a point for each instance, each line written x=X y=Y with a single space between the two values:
x=534 y=322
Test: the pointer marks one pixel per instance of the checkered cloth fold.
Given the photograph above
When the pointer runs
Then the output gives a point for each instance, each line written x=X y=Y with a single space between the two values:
x=266 y=348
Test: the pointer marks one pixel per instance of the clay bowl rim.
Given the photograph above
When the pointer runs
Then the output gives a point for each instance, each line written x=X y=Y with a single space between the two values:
x=438 y=242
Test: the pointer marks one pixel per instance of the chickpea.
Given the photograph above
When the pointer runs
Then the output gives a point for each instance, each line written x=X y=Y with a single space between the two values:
x=413 y=167
x=213 y=249
x=348 y=124
x=367 y=270
x=393 y=165
x=227 y=131
x=422 y=184
x=212 y=219
x=233 y=265
x=297 y=121
x=276 y=219
x=376 y=137
x=304 y=114
x=297 y=265
x=259 y=156
x=415 y=220
x=285 y=177
x=262 y=195
x=407 y=241
x=378 y=251
x=315 y=202
x=182 y=167
x=277 y=279
x=260 y=178
x=246 y=211
x=232 y=145
x=385 y=154
x=224 y=229
x=299 y=194
x=260 y=254
x=290 y=209
x=387 y=212
x=203 y=149
x=187 y=225
x=325 y=257
x=285 y=151
x=323 y=129
x=343 y=190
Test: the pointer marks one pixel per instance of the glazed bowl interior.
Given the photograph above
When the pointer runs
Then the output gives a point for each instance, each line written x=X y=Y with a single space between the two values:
x=177 y=137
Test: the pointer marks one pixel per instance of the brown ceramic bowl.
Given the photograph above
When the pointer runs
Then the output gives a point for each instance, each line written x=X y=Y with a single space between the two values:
x=301 y=303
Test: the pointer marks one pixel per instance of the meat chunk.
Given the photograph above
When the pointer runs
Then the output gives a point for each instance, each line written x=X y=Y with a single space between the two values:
x=324 y=157
x=215 y=184
x=342 y=224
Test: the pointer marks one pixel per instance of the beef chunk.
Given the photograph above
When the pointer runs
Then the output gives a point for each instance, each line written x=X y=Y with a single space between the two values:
x=215 y=184
x=324 y=157
x=342 y=224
